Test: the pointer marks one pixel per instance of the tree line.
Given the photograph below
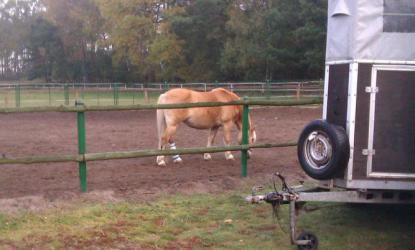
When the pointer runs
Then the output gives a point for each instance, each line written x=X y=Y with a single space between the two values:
x=161 y=40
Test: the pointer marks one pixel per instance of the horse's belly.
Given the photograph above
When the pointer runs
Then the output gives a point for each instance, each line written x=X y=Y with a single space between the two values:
x=200 y=119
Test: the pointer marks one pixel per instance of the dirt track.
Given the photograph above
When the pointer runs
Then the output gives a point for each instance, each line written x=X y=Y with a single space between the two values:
x=55 y=133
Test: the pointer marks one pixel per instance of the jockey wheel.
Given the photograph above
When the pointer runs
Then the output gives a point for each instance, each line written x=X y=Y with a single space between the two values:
x=323 y=150
x=313 y=241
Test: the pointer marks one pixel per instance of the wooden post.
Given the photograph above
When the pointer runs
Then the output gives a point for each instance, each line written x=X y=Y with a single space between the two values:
x=146 y=95
x=6 y=99
x=50 y=96
x=298 y=91
x=116 y=94
x=17 y=96
x=66 y=93
x=268 y=93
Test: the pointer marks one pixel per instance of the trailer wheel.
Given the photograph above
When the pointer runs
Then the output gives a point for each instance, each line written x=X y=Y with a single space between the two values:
x=313 y=245
x=323 y=150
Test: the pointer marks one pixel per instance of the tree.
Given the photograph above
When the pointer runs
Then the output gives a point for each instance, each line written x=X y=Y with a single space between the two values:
x=131 y=27
x=201 y=26
x=15 y=20
x=47 y=57
x=274 y=39
x=80 y=28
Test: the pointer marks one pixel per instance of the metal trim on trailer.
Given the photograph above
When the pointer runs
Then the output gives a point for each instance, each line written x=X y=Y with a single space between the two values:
x=372 y=107
x=390 y=175
x=351 y=114
x=358 y=196
x=369 y=61
x=371 y=151
x=394 y=67
x=375 y=184
x=326 y=91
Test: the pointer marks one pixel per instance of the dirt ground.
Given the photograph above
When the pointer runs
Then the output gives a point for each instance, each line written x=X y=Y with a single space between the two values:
x=55 y=133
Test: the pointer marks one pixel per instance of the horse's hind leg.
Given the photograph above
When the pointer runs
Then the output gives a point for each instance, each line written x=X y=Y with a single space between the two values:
x=211 y=138
x=160 y=158
x=167 y=137
x=227 y=138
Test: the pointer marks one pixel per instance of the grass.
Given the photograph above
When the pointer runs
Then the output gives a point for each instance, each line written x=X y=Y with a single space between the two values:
x=202 y=221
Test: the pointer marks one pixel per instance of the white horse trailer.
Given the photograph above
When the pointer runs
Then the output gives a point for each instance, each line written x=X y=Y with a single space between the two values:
x=369 y=95
x=370 y=90
x=363 y=150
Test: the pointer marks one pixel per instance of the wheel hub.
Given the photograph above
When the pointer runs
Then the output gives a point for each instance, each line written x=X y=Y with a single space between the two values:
x=318 y=149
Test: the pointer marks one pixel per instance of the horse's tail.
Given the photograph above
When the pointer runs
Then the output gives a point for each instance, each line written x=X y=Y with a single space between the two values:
x=161 y=122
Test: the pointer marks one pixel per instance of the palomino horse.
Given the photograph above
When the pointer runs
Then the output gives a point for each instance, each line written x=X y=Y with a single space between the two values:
x=211 y=118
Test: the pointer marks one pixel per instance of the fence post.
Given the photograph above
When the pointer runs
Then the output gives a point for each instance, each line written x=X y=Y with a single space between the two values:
x=66 y=93
x=50 y=97
x=298 y=91
x=97 y=96
x=146 y=95
x=165 y=86
x=245 y=129
x=116 y=96
x=268 y=89
x=83 y=94
x=81 y=146
x=17 y=95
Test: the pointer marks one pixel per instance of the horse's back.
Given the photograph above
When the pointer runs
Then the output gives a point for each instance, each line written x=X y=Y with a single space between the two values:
x=224 y=95
x=181 y=95
x=175 y=96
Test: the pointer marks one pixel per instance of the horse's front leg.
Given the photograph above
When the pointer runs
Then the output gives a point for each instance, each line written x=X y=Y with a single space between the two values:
x=176 y=158
x=227 y=139
x=211 y=138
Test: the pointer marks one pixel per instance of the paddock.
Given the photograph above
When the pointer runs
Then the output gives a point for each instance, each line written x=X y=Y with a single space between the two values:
x=32 y=134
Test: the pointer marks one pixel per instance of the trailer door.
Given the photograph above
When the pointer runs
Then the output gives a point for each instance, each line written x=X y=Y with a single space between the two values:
x=391 y=140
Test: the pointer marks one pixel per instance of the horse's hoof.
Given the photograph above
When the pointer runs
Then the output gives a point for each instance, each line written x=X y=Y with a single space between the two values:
x=162 y=163
x=207 y=157
x=178 y=160
x=230 y=158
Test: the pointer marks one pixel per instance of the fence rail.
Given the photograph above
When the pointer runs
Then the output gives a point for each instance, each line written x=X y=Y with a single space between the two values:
x=84 y=108
x=55 y=94
x=82 y=157
x=135 y=154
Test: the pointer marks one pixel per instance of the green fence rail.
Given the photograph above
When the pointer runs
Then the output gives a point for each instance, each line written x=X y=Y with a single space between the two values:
x=83 y=157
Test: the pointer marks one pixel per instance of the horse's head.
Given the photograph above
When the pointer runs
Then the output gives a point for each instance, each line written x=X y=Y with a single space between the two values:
x=251 y=135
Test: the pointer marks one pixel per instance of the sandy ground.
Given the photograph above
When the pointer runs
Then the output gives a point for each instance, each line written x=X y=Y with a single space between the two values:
x=39 y=185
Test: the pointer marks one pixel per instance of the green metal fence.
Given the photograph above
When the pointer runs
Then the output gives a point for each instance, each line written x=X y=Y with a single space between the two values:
x=83 y=157
x=33 y=95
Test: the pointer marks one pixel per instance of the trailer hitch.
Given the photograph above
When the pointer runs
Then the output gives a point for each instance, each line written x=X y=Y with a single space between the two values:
x=287 y=195
x=284 y=196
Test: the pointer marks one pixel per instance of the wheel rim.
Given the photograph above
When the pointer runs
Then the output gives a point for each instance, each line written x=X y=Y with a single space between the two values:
x=313 y=241
x=318 y=150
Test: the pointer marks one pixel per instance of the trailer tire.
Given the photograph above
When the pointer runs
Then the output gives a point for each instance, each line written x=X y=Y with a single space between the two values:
x=323 y=150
